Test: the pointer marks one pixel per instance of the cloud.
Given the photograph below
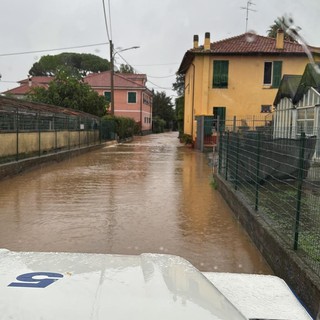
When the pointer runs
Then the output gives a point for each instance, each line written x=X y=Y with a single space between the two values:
x=163 y=29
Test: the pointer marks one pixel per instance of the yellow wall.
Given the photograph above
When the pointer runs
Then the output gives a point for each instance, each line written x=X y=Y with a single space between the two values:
x=29 y=141
x=245 y=93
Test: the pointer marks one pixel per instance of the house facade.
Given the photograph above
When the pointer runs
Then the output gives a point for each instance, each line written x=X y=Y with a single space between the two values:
x=27 y=84
x=132 y=98
x=297 y=105
x=238 y=76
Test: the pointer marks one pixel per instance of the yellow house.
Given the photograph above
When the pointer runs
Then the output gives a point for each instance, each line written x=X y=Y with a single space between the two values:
x=238 y=76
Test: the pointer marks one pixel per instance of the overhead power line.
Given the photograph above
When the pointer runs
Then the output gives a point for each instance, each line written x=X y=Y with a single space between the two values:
x=110 y=19
x=56 y=49
x=164 y=88
x=158 y=64
x=105 y=19
x=162 y=77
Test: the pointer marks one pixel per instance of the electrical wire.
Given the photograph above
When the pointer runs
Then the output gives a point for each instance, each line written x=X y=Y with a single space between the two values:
x=110 y=18
x=155 y=65
x=47 y=50
x=7 y=81
x=105 y=19
x=164 y=88
x=162 y=77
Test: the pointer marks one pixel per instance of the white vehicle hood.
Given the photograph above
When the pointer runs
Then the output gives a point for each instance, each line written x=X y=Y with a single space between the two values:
x=97 y=286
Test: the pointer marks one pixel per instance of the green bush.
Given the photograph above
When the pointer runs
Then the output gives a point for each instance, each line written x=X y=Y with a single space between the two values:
x=124 y=127
x=186 y=138
x=158 y=125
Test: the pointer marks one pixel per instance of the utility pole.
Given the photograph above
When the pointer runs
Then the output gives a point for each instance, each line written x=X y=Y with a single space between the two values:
x=112 y=77
x=249 y=3
x=112 y=54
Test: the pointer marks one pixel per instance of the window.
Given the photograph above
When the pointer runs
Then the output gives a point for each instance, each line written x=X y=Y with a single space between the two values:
x=132 y=97
x=220 y=74
x=265 y=108
x=272 y=73
x=146 y=100
x=107 y=95
x=305 y=120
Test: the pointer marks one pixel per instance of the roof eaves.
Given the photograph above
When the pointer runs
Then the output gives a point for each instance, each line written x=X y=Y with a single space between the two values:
x=186 y=61
x=287 y=88
x=310 y=79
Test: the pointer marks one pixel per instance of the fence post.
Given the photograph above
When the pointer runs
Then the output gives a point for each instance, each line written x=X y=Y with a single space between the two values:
x=17 y=132
x=100 y=131
x=258 y=172
x=68 y=128
x=55 y=133
x=227 y=156
x=234 y=123
x=79 y=128
x=220 y=144
x=201 y=133
x=299 y=191
x=39 y=132
x=88 y=136
x=237 y=161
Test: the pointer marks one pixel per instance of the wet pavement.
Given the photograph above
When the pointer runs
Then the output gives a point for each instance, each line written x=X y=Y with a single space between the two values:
x=149 y=195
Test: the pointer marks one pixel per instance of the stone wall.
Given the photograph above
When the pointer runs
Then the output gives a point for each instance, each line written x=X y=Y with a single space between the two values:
x=283 y=260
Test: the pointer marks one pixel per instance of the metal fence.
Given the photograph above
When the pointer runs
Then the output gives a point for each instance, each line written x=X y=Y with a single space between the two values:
x=280 y=179
x=32 y=129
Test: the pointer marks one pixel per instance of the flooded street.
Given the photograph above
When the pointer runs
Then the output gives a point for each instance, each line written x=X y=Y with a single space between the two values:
x=150 y=195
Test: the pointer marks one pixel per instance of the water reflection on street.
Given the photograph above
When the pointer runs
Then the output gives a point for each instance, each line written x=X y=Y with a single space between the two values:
x=150 y=195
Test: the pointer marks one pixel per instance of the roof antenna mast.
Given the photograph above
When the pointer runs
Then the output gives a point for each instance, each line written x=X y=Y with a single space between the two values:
x=247 y=8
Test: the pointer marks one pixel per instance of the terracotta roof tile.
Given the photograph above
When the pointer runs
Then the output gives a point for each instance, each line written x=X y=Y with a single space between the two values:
x=25 y=88
x=121 y=80
x=246 y=44
x=251 y=43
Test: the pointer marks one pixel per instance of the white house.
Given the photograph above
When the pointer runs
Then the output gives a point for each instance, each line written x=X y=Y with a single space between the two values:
x=297 y=105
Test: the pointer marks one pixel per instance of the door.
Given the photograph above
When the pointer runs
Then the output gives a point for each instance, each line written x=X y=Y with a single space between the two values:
x=219 y=113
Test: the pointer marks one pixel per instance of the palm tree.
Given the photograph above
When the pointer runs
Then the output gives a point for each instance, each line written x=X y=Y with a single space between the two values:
x=281 y=23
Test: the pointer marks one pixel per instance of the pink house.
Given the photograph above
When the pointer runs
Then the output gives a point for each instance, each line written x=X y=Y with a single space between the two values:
x=27 y=84
x=132 y=98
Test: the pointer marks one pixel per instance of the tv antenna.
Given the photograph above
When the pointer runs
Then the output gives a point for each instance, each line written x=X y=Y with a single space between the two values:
x=247 y=8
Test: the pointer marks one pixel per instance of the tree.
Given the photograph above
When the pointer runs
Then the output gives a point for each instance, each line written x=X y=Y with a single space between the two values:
x=178 y=86
x=162 y=108
x=76 y=63
x=68 y=91
x=126 y=68
x=281 y=23
x=180 y=114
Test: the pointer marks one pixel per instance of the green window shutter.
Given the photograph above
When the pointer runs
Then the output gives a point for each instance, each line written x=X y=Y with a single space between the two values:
x=107 y=95
x=224 y=74
x=220 y=74
x=132 y=97
x=277 y=70
x=216 y=74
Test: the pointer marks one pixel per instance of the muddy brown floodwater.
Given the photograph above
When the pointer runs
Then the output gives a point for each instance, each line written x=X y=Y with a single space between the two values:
x=150 y=195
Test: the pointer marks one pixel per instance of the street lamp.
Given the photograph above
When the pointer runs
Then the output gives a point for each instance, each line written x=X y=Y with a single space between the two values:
x=112 y=55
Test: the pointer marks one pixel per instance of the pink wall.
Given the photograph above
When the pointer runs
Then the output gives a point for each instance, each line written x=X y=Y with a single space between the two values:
x=132 y=110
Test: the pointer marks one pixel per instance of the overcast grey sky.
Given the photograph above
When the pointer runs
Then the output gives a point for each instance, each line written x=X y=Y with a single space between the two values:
x=163 y=29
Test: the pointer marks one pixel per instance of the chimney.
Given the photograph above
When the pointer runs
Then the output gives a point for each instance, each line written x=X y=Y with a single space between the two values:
x=280 y=39
x=195 y=41
x=207 y=41
x=30 y=80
